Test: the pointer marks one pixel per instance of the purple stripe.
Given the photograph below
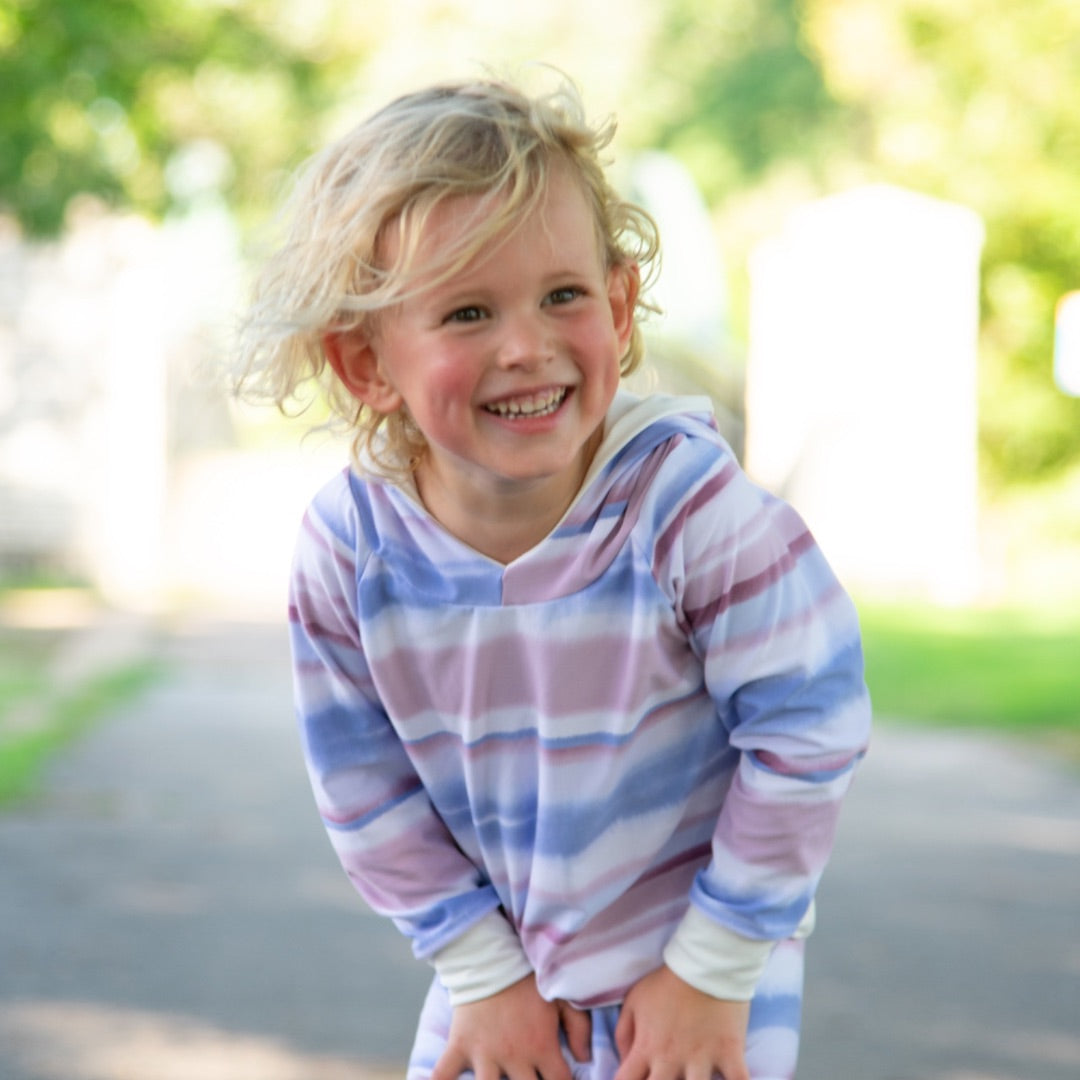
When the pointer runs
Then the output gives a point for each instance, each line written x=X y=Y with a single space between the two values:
x=705 y=494
x=755 y=585
x=604 y=674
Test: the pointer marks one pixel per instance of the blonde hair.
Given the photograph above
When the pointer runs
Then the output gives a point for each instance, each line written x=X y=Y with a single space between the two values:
x=391 y=171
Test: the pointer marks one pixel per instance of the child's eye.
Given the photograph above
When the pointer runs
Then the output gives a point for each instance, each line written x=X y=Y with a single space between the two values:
x=564 y=295
x=466 y=314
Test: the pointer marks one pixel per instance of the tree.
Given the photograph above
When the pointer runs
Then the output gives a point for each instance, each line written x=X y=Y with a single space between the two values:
x=974 y=101
x=115 y=98
x=739 y=93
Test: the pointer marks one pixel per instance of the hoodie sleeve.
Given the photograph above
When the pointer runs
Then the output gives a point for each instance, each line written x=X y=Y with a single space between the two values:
x=390 y=840
x=779 y=642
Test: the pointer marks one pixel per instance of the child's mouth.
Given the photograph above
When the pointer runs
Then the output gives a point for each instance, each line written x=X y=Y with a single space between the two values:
x=529 y=405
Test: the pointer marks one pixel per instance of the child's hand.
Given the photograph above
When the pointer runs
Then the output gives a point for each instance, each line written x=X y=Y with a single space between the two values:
x=669 y=1031
x=513 y=1034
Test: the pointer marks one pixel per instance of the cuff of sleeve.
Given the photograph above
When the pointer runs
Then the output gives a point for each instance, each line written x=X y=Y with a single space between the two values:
x=487 y=958
x=714 y=959
x=719 y=962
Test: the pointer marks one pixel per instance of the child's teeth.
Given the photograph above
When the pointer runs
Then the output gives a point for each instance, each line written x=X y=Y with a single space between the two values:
x=536 y=405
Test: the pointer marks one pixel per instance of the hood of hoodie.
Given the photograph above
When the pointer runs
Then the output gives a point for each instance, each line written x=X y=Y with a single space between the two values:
x=427 y=560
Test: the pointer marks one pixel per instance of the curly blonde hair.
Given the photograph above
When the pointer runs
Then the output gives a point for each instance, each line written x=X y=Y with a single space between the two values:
x=392 y=171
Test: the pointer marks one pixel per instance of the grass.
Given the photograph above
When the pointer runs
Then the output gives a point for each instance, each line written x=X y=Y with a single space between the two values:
x=49 y=719
x=1008 y=671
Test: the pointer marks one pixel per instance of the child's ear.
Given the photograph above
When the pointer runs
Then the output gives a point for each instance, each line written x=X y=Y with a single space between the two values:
x=355 y=362
x=624 y=284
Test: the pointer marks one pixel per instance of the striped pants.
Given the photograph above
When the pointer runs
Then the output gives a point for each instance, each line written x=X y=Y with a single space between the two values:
x=772 y=1042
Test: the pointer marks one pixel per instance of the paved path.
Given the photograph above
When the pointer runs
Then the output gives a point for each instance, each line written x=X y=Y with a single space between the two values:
x=170 y=908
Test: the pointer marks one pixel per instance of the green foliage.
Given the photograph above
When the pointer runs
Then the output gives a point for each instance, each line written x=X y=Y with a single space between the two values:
x=749 y=95
x=111 y=98
x=144 y=103
x=973 y=101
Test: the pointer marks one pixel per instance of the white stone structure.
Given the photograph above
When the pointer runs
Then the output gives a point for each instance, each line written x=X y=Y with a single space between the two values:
x=95 y=329
x=1067 y=344
x=861 y=385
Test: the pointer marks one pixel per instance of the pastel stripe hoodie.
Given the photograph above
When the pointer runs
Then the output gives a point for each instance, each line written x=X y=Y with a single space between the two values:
x=626 y=747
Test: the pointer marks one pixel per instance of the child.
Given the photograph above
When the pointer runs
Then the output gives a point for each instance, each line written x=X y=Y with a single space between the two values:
x=579 y=702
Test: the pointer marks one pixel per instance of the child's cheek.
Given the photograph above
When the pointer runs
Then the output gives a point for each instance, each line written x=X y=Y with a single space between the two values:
x=454 y=375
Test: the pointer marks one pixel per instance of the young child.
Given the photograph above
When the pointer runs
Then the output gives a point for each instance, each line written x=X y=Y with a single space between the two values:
x=579 y=702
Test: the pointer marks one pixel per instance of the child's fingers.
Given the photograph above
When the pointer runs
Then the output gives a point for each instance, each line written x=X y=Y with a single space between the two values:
x=553 y=1067
x=624 y=1032
x=639 y=1066
x=450 y=1066
x=577 y=1026
x=633 y=1067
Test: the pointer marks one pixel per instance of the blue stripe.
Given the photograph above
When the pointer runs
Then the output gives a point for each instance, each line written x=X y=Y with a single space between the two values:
x=373 y=815
x=564 y=831
x=775 y=1011
x=780 y=704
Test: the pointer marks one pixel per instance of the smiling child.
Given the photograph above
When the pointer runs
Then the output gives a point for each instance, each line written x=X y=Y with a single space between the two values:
x=579 y=702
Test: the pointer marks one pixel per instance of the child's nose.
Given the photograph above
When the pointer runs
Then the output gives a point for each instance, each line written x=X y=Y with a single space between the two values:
x=525 y=342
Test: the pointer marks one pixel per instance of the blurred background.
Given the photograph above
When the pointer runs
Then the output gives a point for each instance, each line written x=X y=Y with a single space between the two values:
x=871 y=217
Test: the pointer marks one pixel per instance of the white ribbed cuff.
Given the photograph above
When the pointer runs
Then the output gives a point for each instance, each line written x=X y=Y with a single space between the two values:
x=487 y=958
x=716 y=960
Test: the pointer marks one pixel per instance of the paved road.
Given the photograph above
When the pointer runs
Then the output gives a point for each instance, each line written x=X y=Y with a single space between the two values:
x=170 y=908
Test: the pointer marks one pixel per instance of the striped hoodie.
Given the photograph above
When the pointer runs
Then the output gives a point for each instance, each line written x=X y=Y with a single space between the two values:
x=628 y=746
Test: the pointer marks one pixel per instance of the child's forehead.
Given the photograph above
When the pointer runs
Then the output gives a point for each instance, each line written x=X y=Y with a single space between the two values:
x=457 y=223
x=455 y=218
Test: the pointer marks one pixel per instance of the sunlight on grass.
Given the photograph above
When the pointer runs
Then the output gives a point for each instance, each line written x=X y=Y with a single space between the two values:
x=25 y=752
x=1010 y=670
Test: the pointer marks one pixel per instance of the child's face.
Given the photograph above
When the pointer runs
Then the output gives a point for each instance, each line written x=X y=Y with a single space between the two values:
x=508 y=368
